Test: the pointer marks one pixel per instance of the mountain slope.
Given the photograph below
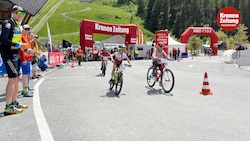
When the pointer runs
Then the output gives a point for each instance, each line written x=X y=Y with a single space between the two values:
x=64 y=17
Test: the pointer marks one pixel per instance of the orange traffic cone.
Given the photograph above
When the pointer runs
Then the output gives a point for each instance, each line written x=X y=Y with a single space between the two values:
x=205 y=88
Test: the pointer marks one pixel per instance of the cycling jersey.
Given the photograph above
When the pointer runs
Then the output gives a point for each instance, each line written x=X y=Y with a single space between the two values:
x=10 y=37
x=120 y=57
x=9 y=40
x=104 y=54
x=157 y=54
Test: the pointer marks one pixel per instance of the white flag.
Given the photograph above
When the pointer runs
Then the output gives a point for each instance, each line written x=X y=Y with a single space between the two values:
x=49 y=36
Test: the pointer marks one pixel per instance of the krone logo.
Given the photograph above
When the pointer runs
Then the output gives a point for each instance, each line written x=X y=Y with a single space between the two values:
x=228 y=18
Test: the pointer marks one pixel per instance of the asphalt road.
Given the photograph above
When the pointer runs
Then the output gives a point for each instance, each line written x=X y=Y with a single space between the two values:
x=76 y=104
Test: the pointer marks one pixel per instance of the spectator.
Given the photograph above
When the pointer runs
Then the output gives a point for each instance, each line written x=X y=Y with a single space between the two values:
x=26 y=58
x=136 y=53
x=87 y=55
x=178 y=53
x=79 y=53
x=36 y=56
x=174 y=53
x=42 y=65
x=11 y=42
x=132 y=53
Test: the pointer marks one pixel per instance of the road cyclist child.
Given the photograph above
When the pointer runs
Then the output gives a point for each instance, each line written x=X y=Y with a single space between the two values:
x=10 y=39
x=104 y=55
x=117 y=59
x=157 y=55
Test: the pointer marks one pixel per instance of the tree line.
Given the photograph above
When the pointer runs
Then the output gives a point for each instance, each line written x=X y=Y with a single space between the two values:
x=177 y=15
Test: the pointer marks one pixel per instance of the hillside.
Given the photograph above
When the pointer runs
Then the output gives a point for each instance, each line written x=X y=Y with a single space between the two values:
x=64 y=17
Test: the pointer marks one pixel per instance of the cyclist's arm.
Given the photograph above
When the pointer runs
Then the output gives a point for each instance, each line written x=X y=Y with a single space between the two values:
x=154 y=54
x=165 y=55
x=100 y=54
x=112 y=57
x=128 y=61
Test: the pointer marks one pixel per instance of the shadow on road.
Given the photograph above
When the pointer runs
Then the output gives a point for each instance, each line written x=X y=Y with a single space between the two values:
x=153 y=91
x=111 y=94
x=99 y=75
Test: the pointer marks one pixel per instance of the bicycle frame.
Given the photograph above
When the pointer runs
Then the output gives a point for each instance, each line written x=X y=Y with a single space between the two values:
x=118 y=73
x=161 y=71
x=162 y=67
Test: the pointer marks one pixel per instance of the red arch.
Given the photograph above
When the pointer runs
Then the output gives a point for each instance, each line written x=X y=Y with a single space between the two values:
x=203 y=31
x=88 y=27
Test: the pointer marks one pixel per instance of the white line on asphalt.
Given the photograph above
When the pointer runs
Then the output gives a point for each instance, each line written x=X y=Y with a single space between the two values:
x=40 y=119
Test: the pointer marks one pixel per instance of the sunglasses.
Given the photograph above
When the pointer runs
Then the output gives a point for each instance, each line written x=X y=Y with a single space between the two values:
x=20 y=13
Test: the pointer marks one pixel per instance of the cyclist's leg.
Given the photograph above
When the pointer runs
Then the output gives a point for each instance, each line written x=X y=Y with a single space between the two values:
x=155 y=64
x=113 y=71
x=101 y=63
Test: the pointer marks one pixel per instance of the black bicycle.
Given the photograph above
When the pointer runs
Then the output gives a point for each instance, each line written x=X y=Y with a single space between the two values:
x=118 y=78
x=104 y=65
x=164 y=75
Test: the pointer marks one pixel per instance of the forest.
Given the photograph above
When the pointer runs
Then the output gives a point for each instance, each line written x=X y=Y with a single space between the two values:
x=177 y=15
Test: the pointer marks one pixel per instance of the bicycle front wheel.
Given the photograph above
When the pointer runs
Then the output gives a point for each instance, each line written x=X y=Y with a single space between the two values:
x=118 y=85
x=167 y=80
x=111 y=85
x=150 y=77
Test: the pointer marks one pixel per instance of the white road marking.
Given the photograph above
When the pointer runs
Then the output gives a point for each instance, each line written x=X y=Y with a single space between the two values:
x=40 y=119
x=190 y=66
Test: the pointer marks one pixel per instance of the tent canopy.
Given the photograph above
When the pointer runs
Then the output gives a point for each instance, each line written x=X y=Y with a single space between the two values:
x=175 y=44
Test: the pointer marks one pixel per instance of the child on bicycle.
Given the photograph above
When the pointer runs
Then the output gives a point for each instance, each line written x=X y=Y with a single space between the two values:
x=158 y=53
x=117 y=59
x=103 y=54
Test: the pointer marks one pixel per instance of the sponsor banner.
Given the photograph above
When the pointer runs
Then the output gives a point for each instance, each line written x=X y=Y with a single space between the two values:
x=2 y=66
x=56 y=58
x=162 y=36
x=228 y=18
x=88 y=27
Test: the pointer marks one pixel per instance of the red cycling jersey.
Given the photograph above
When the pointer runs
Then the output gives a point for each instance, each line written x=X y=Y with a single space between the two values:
x=104 y=54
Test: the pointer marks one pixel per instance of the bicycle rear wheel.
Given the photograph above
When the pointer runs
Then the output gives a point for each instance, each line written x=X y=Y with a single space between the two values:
x=104 y=69
x=167 y=80
x=118 y=85
x=150 y=77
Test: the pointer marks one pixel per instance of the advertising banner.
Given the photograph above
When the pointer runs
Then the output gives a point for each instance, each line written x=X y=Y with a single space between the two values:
x=56 y=58
x=88 y=27
x=162 y=36
x=228 y=18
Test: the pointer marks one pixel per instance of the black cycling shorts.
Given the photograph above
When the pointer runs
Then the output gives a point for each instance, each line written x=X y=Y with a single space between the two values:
x=13 y=65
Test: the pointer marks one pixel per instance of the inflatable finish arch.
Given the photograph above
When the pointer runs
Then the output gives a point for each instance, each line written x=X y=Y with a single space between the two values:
x=88 y=27
x=203 y=31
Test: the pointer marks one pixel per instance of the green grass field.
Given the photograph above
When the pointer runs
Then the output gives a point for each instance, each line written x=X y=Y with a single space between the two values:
x=63 y=28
